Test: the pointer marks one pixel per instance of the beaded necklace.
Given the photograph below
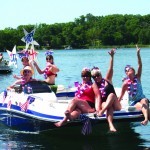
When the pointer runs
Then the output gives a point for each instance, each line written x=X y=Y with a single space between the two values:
x=133 y=83
x=23 y=80
x=46 y=70
x=81 y=88
x=102 y=88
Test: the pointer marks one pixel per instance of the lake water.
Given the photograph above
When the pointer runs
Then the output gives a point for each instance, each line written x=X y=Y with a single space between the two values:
x=131 y=136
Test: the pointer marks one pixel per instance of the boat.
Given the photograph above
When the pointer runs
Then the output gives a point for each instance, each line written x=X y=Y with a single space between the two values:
x=68 y=47
x=4 y=67
x=35 y=108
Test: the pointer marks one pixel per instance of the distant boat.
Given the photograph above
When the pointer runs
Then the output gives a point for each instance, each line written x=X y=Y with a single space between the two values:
x=4 y=67
x=68 y=47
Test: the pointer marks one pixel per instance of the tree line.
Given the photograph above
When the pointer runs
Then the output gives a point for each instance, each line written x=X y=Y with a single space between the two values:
x=87 y=31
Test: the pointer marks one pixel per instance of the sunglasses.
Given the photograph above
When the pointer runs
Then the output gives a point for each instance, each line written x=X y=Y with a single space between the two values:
x=84 y=76
x=95 y=76
x=48 y=58
x=24 y=60
x=26 y=71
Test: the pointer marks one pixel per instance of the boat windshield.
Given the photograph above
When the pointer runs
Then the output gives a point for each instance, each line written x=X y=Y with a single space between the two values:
x=37 y=87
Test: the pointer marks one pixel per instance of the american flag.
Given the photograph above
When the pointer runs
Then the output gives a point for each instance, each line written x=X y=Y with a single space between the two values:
x=24 y=106
x=9 y=105
x=87 y=126
x=23 y=53
x=32 y=53
x=4 y=96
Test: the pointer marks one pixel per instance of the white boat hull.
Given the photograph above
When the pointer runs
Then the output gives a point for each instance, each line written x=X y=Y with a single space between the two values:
x=44 y=109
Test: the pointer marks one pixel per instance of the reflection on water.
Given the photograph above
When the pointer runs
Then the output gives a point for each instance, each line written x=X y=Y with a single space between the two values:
x=144 y=133
x=71 y=138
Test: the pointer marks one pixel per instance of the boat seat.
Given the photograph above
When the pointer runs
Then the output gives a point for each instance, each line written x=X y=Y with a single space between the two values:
x=18 y=88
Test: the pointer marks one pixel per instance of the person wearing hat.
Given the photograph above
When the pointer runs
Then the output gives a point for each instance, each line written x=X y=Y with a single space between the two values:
x=132 y=84
x=86 y=99
x=25 y=62
x=26 y=73
x=109 y=101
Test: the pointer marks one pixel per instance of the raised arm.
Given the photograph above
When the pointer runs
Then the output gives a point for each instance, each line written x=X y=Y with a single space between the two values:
x=139 y=71
x=123 y=90
x=109 y=74
x=37 y=68
x=15 y=83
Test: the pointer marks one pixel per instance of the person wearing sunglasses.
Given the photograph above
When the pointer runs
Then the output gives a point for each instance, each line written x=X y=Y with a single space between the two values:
x=86 y=99
x=132 y=84
x=109 y=101
x=26 y=74
x=50 y=72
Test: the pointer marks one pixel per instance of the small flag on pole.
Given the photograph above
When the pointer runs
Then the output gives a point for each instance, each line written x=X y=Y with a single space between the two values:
x=4 y=96
x=87 y=126
x=24 y=106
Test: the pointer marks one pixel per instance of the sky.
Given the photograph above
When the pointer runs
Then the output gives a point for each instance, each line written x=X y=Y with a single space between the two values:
x=14 y=13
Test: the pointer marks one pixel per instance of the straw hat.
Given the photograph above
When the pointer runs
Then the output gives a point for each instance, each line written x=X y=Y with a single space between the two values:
x=27 y=68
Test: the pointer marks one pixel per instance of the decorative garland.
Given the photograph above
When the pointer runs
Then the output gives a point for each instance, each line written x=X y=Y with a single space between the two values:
x=46 y=70
x=133 y=92
x=81 y=88
x=102 y=88
x=23 y=80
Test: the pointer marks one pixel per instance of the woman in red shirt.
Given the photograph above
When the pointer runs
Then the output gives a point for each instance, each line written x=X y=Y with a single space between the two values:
x=86 y=100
